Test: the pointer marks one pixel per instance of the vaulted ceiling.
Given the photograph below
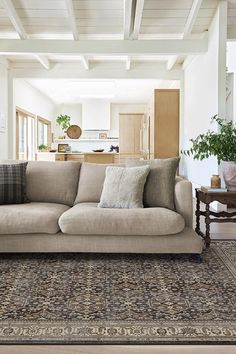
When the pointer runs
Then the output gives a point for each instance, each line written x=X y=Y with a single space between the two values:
x=89 y=31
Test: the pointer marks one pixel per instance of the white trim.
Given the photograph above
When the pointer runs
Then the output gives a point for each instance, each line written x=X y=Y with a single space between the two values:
x=111 y=48
x=192 y=18
x=138 y=18
x=171 y=62
x=43 y=60
x=127 y=17
x=128 y=63
x=72 y=19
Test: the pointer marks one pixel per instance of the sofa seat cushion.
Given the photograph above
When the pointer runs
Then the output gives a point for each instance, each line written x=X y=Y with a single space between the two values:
x=87 y=219
x=30 y=218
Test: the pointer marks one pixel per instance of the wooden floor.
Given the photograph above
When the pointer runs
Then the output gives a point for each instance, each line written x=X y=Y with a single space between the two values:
x=218 y=231
x=110 y=349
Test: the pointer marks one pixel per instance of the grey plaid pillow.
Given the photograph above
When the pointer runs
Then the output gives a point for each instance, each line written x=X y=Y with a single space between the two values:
x=13 y=183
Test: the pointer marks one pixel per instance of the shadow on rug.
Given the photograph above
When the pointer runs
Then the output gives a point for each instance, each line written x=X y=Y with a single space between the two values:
x=119 y=299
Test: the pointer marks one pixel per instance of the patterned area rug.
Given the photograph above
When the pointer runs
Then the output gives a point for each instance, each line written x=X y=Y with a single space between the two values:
x=119 y=299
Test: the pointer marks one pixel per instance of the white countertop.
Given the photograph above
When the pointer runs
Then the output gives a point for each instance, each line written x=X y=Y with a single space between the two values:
x=79 y=153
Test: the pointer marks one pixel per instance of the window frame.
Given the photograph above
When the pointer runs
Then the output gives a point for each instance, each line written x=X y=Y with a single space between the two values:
x=25 y=114
x=49 y=130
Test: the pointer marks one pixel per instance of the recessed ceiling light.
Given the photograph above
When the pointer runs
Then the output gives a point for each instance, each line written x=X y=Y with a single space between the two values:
x=96 y=96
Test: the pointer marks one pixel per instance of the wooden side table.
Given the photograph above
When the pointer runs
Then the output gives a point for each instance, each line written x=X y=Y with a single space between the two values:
x=219 y=217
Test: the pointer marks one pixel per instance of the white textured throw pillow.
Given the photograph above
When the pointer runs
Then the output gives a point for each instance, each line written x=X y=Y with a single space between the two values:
x=123 y=187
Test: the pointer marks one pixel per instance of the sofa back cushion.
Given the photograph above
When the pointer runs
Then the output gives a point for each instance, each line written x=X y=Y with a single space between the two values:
x=91 y=181
x=159 y=187
x=52 y=182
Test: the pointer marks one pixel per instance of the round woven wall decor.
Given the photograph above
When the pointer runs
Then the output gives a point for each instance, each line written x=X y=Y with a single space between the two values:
x=74 y=132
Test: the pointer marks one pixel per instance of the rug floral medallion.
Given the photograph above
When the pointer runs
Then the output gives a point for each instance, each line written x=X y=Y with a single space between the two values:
x=119 y=299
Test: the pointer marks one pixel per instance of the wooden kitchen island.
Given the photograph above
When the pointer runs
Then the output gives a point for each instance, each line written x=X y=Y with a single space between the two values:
x=94 y=157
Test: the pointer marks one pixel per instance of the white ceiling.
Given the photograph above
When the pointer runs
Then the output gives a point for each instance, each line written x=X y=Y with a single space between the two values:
x=117 y=91
x=103 y=20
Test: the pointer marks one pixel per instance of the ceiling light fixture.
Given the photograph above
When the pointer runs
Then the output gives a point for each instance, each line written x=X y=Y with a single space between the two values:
x=96 y=96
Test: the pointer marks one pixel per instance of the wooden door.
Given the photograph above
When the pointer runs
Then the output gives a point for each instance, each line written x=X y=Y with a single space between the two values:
x=130 y=125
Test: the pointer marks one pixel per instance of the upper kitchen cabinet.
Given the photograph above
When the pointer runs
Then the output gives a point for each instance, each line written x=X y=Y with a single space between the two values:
x=164 y=123
x=96 y=115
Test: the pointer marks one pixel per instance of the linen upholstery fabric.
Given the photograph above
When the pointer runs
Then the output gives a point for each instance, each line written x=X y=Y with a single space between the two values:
x=52 y=182
x=30 y=218
x=159 y=188
x=87 y=219
x=184 y=199
x=13 y=183
x=123 y=187
x=91 y=181
x=187 y=241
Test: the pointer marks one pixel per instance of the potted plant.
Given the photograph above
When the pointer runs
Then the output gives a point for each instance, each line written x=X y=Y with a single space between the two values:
x=43 y=148
x=222 y=145
x=63 y=120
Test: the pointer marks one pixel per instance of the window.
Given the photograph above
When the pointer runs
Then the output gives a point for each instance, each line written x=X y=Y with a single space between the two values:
x=25 y=135
x=29 y=135
x=44 y=136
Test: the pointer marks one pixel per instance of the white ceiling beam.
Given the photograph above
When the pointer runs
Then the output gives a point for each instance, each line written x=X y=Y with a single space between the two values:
x=128 y=4
x=100 y=71
x=108 y=47
x=16 y=22
x=72 y=19
x=191 y=18
x=85 y=62
x=171 y=62
x=187 y=28
x=44 y=61
x=14 y=18
x=138 y=18
x=128 y=63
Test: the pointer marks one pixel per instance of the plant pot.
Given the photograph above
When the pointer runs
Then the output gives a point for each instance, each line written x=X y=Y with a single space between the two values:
x=229 y=174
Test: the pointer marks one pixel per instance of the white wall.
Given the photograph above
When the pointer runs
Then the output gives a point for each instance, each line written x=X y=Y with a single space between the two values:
x=123 y=108
x=32 y=100
x=72 y=110
x=3 y=110
x=202 y=100
x=231 y=66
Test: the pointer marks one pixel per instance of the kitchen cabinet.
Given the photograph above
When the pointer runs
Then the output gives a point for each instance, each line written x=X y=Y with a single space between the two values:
x=164 y=123
x=130 y=135
x=93 y=157
x=99 y=157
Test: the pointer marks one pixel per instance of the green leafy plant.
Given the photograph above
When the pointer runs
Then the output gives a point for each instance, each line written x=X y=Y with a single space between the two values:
x=221 y=144
x=63 y=121
x=43 y=147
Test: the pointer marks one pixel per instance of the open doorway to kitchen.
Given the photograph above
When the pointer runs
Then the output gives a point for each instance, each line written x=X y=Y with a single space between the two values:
x=109 y=120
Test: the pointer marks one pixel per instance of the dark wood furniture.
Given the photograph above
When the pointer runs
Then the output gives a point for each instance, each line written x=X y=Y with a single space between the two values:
x=219 y=217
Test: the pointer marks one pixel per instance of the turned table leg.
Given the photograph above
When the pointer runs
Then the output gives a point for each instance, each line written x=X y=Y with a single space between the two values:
x=197 y=213
x=207 y=223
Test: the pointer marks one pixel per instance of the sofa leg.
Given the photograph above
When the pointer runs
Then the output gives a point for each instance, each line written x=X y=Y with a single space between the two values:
x=199 y=258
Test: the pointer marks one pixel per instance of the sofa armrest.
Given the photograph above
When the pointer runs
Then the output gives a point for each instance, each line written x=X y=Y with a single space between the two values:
x=184 y=199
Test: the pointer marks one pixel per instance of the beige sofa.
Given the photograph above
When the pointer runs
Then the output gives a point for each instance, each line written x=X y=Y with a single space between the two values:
x=62 y=216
